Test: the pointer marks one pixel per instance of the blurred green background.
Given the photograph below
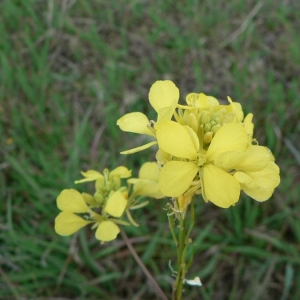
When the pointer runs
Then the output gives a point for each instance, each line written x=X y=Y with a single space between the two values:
x=69 y=69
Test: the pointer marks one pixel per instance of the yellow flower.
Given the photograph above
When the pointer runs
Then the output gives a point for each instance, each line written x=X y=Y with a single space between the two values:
x=163 y=97
x=190 y=159
x=71 y=203
x=147 y=183
x=228 y=165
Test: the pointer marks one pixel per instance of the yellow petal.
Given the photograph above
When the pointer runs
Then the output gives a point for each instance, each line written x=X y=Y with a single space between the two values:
x=66 y=223
x=107 y=231
x=144 y=187
x=263 y=182
x=256 y=158
x=135 y=122
x=121 y=172
x=219 y=187
x=230 y=137
x=193 y=136
x=243 y=178
x=90 y=175
x=72 y=201
x=173 y=138
x=162 y=157
x=229 y=160
x=176 y=177
x=149 y=170
x=116 y=204
x=140 y=148
x=237 y=108
x=147 y=183
x=164 y=96
x=249 y=126
x=201 y=100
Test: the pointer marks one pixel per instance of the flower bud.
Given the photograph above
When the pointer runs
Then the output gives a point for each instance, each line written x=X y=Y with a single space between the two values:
x=99 y=197
x=208 y=137
x=193 y=122
x=205 y=117
x=215 y=128
x=207 y=127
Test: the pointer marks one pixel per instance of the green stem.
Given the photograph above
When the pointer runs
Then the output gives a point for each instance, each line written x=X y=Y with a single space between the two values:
x=172 y=224
x=192 y=222
x=183 y=242
x=129 y=216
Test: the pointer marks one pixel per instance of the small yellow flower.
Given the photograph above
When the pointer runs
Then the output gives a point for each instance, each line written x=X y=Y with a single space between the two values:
x=228 y=165
x=71 y=203
x=176 y=177
x=109 y=203
x=163 y=97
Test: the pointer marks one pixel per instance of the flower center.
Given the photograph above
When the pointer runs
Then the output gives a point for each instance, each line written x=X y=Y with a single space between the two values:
x=201 y=159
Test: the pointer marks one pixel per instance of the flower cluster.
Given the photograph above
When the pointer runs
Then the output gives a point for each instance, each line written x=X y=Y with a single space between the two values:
x=108 y=204
x=204 y=148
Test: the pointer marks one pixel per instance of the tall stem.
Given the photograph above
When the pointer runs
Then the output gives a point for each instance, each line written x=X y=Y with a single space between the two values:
x=178 y=286
x=182 y=242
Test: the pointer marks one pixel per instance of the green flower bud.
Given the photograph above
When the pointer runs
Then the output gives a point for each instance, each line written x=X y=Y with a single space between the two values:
x=207 y=127
x=99 y=198
x=216 y=128
x=205 y=117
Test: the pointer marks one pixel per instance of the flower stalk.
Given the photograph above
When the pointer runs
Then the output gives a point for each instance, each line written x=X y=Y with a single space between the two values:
x=182 y=242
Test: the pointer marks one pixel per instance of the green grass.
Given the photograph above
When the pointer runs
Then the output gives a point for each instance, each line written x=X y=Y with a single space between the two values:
x=70 y=69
